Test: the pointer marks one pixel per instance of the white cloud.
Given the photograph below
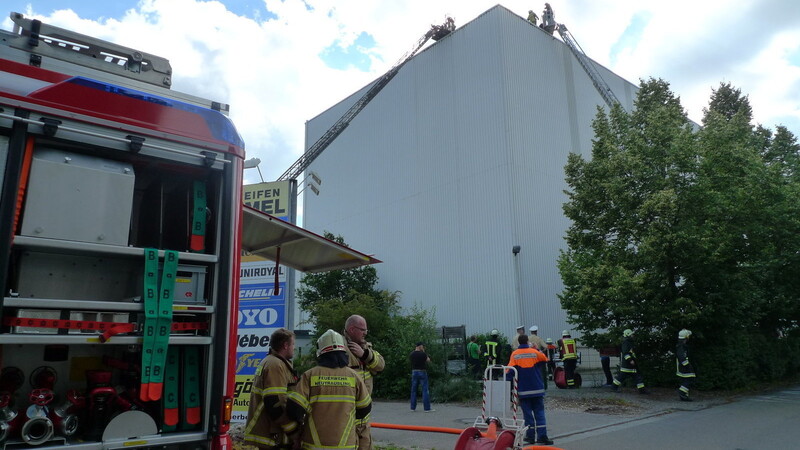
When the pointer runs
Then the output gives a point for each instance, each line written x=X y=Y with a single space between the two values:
x=271 y=73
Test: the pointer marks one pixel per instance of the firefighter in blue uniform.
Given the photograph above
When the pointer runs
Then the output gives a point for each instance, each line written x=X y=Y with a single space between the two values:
x=529 y=362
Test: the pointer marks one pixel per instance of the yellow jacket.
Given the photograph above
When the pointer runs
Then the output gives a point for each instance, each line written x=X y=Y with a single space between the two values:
x=267 y=422
x=369 y=365
x=332 y=400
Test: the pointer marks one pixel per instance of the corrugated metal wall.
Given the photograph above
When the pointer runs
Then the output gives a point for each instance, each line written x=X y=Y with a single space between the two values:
x=456 y=161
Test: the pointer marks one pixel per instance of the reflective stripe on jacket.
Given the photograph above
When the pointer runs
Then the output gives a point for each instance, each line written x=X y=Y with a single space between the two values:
x=568 y=348
x=491 y=353
x=331 y=398
x=683 y=368
x=372 y=364
x=267 y=423
x=628 y=359
x=491 y=350
x=529 y=377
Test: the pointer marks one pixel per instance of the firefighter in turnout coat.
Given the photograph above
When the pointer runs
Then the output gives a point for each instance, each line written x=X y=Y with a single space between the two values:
x=627 y=366
x=568 y=349
x=268 y=426
x=685 y=371
x=367 y=362
x=329 y=399
x=490 y=348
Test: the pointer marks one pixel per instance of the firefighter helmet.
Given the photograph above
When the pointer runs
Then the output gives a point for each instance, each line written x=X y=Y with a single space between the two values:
x=565 y=333
x=330 y=341
x=548 y=341
x=627 y=333
x=495 y=332
x=534 y=328
x=684 y=333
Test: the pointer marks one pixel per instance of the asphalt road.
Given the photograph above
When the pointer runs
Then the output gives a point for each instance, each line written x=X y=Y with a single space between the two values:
x=764 y=422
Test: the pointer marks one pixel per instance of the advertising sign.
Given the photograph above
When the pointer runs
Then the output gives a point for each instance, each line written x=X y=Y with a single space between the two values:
x=261 y=309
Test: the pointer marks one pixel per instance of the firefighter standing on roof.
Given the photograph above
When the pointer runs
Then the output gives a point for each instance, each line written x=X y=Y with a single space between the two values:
x=569 y=355
x=330 y=398
x=367 y=363
x=268 y=426
x=628 y=367
x=532 y=17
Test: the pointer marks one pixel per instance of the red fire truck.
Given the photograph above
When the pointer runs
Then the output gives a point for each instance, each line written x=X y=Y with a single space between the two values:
x=121 y=230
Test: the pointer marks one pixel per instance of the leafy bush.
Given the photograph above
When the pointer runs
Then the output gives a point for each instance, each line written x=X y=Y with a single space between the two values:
x=456 y=389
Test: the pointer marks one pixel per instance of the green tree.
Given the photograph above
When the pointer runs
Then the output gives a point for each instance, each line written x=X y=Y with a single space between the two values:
x=620 y=268
x=673 y=228
x=728 y=101
x=318 y=290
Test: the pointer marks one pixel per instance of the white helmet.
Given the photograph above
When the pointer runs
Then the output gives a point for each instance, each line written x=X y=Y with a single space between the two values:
x=684 y=333
x=565 y=333
x=627 y=333
x=495 y=332
x=534 y=328
x=330 y=341
x=548 y=341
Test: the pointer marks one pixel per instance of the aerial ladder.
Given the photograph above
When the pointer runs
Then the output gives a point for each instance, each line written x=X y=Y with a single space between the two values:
x=598 y=81
x=298 y=167
x=549 y=25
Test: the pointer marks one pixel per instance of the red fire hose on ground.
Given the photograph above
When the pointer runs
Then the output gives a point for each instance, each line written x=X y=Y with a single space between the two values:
x=393 y=426
x=494 y=437
x=471 y=438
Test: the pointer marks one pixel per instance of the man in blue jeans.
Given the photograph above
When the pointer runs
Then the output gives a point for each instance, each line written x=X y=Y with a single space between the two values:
x=419 y=375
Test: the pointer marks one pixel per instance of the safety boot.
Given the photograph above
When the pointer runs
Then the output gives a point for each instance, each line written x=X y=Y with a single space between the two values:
x=684 y=396
x=544 y=440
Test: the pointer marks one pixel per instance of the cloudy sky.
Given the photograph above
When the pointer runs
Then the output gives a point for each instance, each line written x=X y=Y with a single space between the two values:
x=280 y=63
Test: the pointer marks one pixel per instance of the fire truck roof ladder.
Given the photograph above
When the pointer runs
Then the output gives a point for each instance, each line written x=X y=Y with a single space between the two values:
x=42 y=40
x=295 y=170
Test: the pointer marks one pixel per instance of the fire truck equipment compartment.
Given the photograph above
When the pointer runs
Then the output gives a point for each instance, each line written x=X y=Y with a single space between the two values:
x=78 y=197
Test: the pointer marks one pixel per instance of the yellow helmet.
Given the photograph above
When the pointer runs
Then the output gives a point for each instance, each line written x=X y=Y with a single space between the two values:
x=330 y=341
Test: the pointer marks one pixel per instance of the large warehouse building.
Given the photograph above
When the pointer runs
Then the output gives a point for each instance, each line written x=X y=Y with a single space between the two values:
x=454 y=174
